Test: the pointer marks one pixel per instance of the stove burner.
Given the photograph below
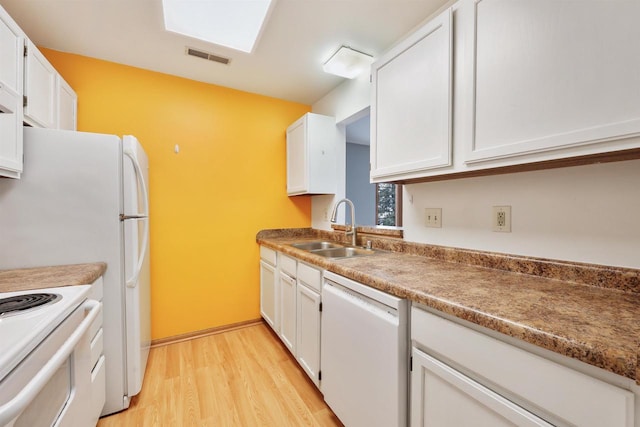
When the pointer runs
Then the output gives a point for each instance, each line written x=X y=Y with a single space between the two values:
x=19 y=304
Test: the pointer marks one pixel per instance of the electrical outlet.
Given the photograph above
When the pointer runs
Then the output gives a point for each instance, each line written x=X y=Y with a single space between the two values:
x=433 y=217
x=502 y=219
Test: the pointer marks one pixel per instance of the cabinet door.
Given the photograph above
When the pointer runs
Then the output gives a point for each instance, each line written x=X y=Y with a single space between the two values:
x=288 y=311
x=11 y=48
x=308 y=331
x=442 y=396
x=268 y=294
x=297 y=172
x=11 y=112
x=67 y=106
x=552 y=76
x=40 y=89
x=411 y=104
x=311 y=158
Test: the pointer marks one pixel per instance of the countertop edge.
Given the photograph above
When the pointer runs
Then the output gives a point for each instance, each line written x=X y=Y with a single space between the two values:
x=609 y=359
x=23 y=279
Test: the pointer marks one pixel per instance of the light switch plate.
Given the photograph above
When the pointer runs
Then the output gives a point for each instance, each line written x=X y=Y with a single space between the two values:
x=433 y=217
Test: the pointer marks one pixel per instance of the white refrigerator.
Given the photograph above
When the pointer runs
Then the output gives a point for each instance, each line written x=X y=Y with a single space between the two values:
x=83 y=198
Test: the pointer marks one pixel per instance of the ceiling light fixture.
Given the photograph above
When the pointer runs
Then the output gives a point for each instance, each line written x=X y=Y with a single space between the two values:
x=348 y=63
x=231 y=23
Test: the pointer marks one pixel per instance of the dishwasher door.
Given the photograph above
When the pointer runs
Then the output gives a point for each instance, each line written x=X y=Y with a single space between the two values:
x=364 y=355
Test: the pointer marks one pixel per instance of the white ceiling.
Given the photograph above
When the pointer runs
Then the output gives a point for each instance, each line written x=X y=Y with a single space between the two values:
x=287 y=60
x=358 y=132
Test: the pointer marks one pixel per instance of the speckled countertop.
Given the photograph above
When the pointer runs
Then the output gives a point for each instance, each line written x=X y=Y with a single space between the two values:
x=587 y=312
x=50 y=277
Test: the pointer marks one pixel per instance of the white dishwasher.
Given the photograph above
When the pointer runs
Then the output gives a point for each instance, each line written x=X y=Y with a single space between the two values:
x=364 y=353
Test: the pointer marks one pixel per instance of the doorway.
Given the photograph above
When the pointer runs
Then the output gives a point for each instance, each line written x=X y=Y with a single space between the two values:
x=376 y=204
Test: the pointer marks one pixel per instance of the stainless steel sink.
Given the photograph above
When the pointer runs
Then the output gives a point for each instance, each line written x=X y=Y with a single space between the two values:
x=344 y=252
x=332 y=250
x=313 y=246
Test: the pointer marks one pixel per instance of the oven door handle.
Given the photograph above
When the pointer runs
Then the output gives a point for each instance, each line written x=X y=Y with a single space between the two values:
x=15 y=406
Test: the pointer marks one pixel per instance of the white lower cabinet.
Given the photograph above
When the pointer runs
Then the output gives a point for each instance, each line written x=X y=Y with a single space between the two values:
x=290 y=303
x=442 y=396
x=288 y=311
x=461 y=376
x=308 y=320
x=269 y=296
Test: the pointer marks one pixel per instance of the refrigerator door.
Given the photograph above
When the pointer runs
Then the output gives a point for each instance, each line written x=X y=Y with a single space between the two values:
x=65 y=210
x=135 y=170
x=138 y=302
x=136 y=257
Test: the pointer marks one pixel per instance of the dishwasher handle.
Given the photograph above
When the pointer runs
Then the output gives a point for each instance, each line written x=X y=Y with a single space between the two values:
x=368 y=304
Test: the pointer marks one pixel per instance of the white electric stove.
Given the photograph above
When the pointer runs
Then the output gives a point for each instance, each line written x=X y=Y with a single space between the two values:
x=45 y=357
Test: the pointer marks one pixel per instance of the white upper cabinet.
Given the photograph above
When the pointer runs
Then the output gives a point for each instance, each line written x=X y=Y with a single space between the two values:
x=411 y=104
x=67 y=106
x=40 y=88
x=11 y=90
x=500 y=83
x=549 y=76
x=311 y=155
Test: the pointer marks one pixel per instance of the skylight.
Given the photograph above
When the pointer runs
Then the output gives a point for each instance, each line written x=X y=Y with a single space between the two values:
x=232 y=23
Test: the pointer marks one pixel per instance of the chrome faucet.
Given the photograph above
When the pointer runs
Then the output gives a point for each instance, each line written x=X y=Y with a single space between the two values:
x=334 y=215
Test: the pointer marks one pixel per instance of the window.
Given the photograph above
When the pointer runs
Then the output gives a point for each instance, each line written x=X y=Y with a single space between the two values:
x=389 y=204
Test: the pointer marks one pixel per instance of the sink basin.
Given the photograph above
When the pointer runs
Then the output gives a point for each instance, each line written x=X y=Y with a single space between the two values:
x=344 y=252
x=313 y=246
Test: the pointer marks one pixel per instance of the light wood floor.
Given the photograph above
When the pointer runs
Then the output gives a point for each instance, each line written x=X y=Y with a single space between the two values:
x=243 y=378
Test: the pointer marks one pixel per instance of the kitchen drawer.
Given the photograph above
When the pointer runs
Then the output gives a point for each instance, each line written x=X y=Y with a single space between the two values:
x=310 y=276
x=98 y=387
x=97 y=289
x=288 y=265
x=531 y=381
x=96 y=325
x=268 y=255
x=97 y=345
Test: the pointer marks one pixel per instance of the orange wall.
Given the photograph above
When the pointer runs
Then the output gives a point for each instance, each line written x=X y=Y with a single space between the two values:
x=207 y=202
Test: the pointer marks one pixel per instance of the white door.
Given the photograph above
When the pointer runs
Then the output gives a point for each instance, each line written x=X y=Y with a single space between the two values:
x=443 y=397
x=288 y=311
x=67 y=105
x=363 y=352
x=138 y=304
x=11 y=66
x=268 y=294
x=297 y=167
x=552 y=75
x=40 y=89
x=137 y=268
x=308 y=331
x=411 y=104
